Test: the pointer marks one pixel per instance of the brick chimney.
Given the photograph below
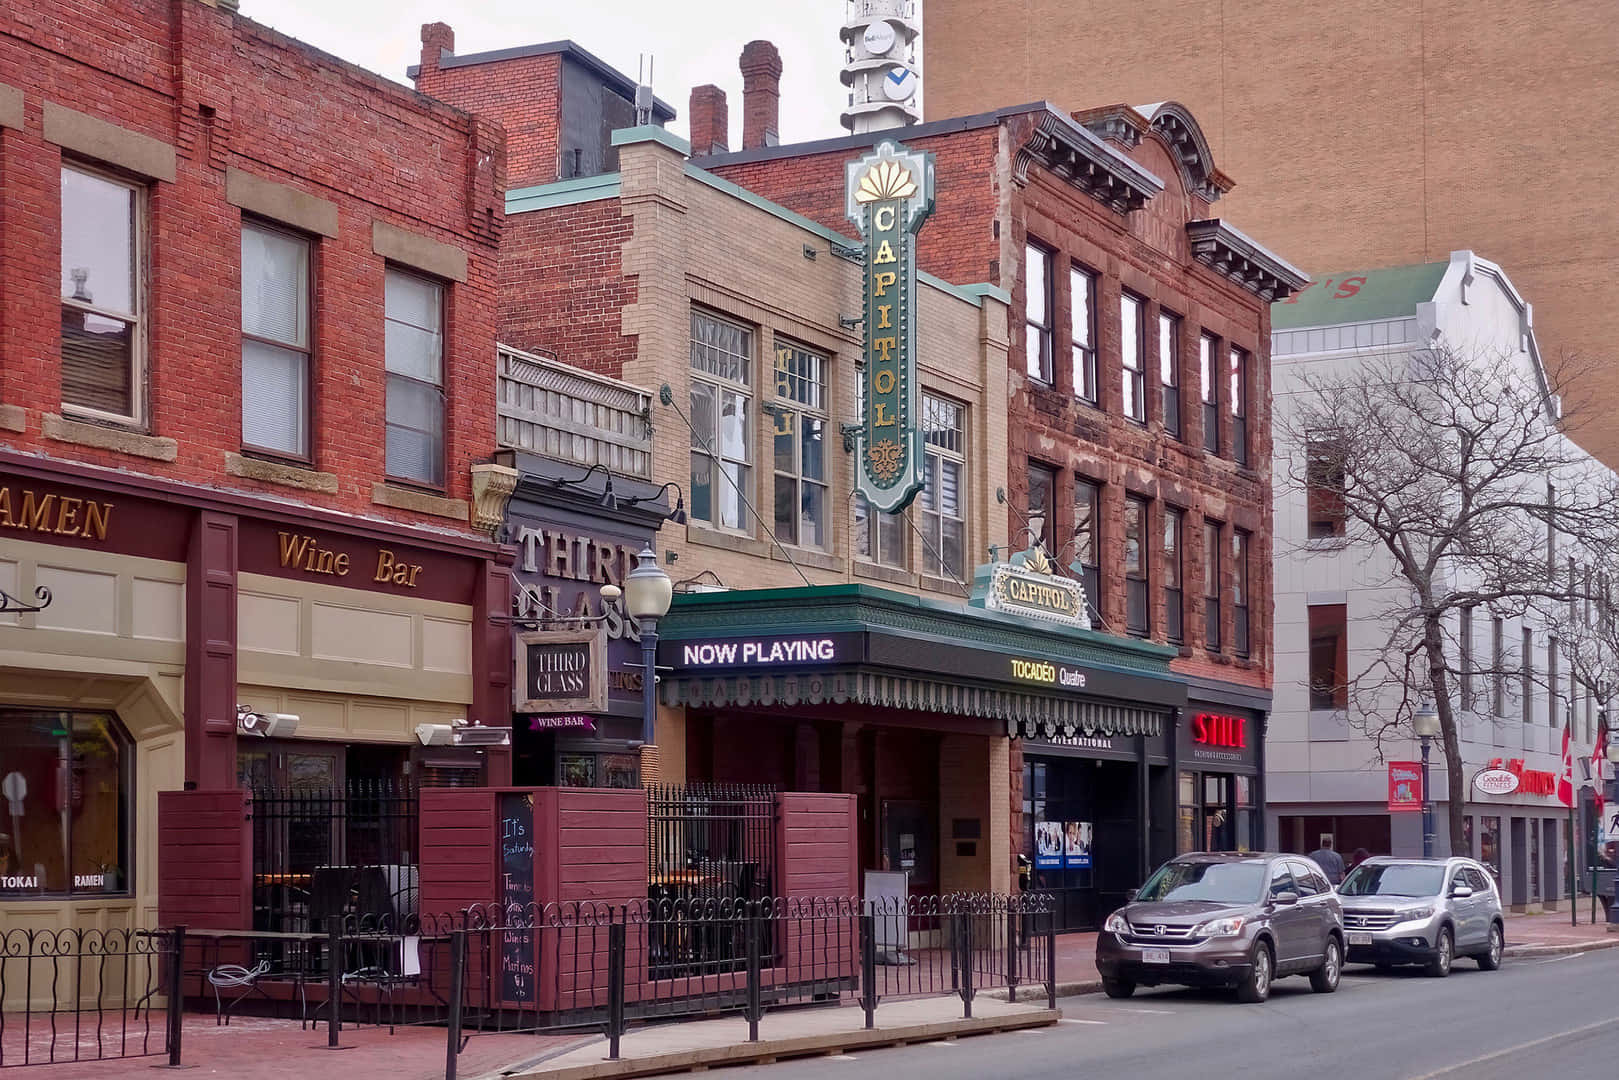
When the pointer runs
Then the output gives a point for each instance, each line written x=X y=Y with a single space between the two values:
x=710 y=121
x=761 y=94
x=437 y=39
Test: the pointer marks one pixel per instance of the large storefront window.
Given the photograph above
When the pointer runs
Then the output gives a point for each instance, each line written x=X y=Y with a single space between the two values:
x=64 y=822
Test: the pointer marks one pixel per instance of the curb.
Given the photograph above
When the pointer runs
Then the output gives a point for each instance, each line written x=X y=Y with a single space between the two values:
x=766 y=1051
x=1566 y=949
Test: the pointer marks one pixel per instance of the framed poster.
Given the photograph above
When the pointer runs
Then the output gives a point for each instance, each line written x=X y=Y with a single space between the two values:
x=561 y=671
x=1048 y=845
x=1077 y=845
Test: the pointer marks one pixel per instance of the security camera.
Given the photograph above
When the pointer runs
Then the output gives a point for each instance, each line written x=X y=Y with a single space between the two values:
x=265 y=725
x=461 y=733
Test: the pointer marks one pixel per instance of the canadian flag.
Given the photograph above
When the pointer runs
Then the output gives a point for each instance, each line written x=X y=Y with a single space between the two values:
x=1565 y=779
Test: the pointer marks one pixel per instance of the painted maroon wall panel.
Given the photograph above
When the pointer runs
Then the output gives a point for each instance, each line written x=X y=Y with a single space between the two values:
x=818 y=849
x=458 y=849
x=204 y=859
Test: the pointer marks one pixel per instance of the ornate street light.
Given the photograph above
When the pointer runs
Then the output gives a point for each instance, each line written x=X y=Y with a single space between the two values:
x=1426 y=724
x=647 y=595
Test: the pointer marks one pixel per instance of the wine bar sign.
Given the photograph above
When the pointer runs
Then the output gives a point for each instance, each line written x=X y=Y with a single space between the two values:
x=561 y=672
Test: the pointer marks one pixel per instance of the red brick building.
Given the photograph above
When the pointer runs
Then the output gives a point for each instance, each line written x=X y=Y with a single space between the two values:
x=247 y=371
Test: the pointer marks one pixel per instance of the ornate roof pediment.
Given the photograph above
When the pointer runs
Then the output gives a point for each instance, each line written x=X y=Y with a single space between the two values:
x=1176 y=125
x=1070 y=150
x=1230 y=253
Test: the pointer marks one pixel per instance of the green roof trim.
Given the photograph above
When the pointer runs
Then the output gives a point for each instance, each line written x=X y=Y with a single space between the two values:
x=856 y=607
x=1359 y=296
x=582 y=189
x=651 y=133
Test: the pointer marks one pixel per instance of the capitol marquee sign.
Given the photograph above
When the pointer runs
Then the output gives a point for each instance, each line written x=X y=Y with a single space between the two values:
x=1027 y=586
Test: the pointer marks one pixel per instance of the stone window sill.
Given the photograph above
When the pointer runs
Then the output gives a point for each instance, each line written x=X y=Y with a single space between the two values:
x=278 y=472
x=943 y=585
x=818 y=560
x=706 y=537
x=13 y=418
x=893 y=575
x=401 y=498
x=102 y=437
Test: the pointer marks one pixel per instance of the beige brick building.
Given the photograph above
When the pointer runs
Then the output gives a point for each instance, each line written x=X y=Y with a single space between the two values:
x=1365 y=135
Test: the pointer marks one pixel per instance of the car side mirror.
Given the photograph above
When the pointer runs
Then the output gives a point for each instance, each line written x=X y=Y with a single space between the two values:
x=1285 y=899
x=1461 y=892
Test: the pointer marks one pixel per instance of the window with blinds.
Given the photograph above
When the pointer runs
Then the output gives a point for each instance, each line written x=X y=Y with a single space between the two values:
x=414 y=351
x=944 y=515
x=721 y=424
x=275 y=341
x=102 y=295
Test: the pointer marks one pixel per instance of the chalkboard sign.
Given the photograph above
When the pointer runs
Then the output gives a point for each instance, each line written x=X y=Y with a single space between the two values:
x=517 y=955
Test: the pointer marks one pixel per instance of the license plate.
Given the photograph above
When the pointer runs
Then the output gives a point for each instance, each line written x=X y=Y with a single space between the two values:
x=1155 y=956
x=1360 y=939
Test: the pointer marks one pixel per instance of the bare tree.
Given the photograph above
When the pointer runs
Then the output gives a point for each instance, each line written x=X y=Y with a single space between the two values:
x=1451 y=462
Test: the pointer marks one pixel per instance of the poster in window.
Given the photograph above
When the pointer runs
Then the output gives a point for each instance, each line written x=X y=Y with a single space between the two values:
x=1048 y=845
x=1077 y=845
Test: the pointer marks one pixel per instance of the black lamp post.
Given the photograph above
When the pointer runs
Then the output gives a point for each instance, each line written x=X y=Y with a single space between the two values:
x=1613 y=761
x=1426 y=724
x=647 y=594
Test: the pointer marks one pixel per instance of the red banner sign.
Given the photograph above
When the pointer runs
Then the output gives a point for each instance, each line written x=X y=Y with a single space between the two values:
x=1530 y=781
x=1405 y=786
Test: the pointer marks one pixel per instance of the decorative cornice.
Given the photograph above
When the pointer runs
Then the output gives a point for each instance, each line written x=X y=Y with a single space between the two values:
x=1227 y=252
x=1073 y=153
x=1120 y=123
x=1176 y=125
x=492 y=487
x=1034 y=714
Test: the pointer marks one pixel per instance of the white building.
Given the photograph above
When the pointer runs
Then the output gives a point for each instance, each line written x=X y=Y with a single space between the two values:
x=1324 y=774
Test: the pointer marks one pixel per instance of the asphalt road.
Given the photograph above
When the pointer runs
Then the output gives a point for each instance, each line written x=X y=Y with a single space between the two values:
x=1546 y=1019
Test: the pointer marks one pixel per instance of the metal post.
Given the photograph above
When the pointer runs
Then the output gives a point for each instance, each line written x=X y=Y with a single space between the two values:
x=1011 y=953
x=1427 y=804
x=458 y=972
x=334 y=980
x=868 y=968
x=966 y=923
x=649 y=680
x=754 y=1006
x=1051 y=960
x=615 y=987
x=176 y=1017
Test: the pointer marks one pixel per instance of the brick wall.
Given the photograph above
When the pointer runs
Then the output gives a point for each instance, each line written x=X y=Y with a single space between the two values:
x=1411 y=128
x=563 y=288
x=211 y=92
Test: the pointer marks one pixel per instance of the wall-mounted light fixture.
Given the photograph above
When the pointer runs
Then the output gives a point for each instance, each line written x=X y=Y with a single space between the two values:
x=461 y=733
x=265 y=725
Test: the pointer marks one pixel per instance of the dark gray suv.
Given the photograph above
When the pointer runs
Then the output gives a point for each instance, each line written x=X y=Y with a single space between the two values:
x=1226 y=919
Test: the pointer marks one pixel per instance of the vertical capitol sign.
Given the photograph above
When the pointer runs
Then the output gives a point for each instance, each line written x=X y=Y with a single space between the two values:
x=889 y=194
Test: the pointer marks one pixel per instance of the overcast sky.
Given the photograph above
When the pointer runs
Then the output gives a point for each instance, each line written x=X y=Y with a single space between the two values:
x=692 y=42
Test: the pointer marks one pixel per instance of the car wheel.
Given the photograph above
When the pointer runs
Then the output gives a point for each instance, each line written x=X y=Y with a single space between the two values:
x=1324 y=979
x=1118 y=988
x=1490 y=958
x=1255 y=986
x=1444 y=953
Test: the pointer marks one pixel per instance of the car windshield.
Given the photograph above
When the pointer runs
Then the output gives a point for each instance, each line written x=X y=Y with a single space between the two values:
x=1222 y=882
x=1393 y=879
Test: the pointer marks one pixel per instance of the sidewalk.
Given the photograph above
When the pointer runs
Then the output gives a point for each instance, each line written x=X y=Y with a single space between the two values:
x=1527 y=935
x=795 y=1032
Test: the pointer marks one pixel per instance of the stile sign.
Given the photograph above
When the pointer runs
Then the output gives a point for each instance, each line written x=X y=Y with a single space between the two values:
x=888 y=195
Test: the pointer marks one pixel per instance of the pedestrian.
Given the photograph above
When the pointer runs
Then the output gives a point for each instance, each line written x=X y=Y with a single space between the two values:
x=1331 y=863
x=1360 y=856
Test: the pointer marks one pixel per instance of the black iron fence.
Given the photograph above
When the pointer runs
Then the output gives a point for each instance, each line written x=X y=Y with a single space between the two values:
x=87 y=995
x=321 y=853
x=604 y=967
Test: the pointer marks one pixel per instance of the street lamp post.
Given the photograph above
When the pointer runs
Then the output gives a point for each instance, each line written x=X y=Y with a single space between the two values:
x=1426 y=724
x=647 y=594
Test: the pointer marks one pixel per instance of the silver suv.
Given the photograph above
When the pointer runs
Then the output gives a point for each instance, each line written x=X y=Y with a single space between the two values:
x=1422 y=911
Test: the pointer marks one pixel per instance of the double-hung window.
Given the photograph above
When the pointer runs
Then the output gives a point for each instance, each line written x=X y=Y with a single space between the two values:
x=1137 y=606
x=1082 y=327
x=800 y=446
x=1239 y=406
x=275 y=341
x=878 y=538
x=414 y=352
x=1169 y=331
x=1209 y=388
x=1241 y=543
x=1037 y=312
x=721 y=430
x=944 y=488
x=103 y=305
x=1174 y=610
x=1211 y=585
x=1088 y=542
x=1132 y=351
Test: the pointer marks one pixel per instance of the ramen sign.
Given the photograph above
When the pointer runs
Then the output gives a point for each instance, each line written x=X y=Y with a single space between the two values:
x=888 y=195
